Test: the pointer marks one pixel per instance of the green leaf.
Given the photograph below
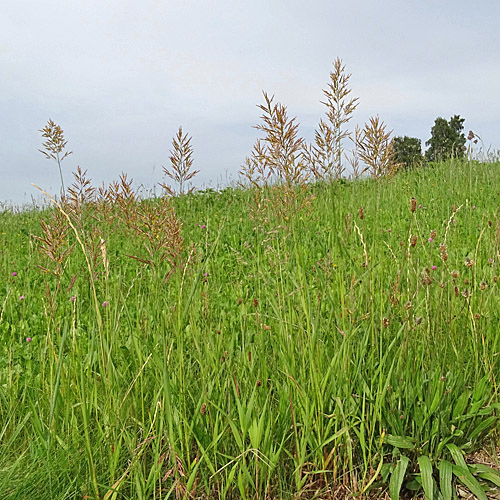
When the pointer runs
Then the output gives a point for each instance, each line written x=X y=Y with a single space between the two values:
x=469 y=481
x=491 y=477
x=460 y=405
x=457 y=455
x=399 y=442
x=426 y=472
x=445 y=476
x=485 y=424
x=397 y=477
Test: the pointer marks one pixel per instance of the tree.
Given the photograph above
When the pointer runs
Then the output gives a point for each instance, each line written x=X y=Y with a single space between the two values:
x=407 y=152
x=447 y=139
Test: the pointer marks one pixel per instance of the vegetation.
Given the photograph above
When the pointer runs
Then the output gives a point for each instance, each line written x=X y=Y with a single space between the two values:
x=304 y=336
x=447 y=139
x=408 y=152
x=161 y=348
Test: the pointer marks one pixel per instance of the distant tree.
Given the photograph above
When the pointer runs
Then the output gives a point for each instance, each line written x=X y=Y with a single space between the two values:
x=447 y=139
x=407 y=152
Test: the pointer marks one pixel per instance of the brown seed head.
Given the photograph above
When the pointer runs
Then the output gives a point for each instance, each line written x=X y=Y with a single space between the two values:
x=361 y=213
x=413 y=203
x=414 y=240
x=433 y=234
x=203 y=408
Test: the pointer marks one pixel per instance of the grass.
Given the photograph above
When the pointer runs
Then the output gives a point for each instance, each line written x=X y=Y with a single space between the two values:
x=197 y=347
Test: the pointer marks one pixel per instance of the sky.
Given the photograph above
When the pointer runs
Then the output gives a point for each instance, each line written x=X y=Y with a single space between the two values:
x=121 y=76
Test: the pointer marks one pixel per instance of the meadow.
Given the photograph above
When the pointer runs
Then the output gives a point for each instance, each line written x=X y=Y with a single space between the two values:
x=211 y=346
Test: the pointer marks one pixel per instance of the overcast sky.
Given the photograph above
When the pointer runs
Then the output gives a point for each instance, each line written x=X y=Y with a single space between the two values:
x=120 y=76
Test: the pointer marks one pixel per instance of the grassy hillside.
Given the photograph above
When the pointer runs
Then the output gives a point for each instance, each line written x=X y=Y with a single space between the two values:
x=237 y=344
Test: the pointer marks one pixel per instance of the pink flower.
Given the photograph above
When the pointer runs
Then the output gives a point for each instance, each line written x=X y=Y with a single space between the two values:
x=420 y=205
x=104 y=304
x=434 y=268
x=28 y=339
x=73 y=298
x=14 y=273
x=21 y=297
x=430 y=240
x=474 y=207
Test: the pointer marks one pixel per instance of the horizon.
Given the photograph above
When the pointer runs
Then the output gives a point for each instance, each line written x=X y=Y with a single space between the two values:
x=121 y=78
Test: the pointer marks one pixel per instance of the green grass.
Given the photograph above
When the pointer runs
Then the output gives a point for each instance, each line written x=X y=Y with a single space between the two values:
x=273 y=362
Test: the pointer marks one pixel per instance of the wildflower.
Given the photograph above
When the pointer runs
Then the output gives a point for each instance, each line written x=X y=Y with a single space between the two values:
x=21 y=297
x=430 y=240
x=14 y=273
x=434 y=268
x=203 y=226
x=413 y=205
x=28 y=339
x=389 y=230
x=454 y=221
x=420 y=205
x=105 y=304
x=474 y=207
x=73 y=298
x=469 y=262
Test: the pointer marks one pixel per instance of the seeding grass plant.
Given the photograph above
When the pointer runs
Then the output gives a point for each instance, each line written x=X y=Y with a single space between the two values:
x=210 y=346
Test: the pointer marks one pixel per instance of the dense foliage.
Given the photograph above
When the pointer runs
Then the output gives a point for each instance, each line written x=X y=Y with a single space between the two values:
x=229 y=345
x=447 y=139
x=407 y=152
